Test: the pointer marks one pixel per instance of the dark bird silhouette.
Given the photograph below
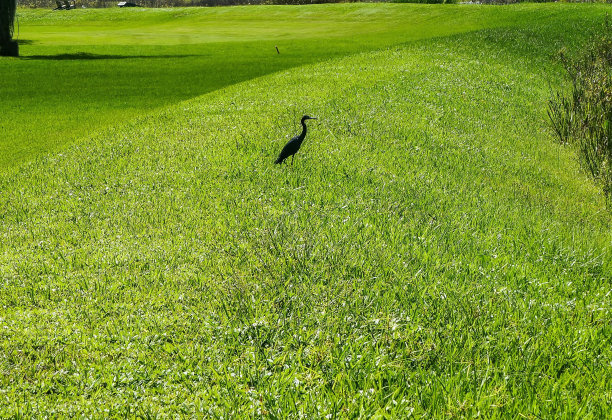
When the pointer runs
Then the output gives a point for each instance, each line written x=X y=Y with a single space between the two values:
x=294 y=144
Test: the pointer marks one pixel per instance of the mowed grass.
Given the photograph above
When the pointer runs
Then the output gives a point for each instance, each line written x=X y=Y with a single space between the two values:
x=432 y=252
x=83 y=70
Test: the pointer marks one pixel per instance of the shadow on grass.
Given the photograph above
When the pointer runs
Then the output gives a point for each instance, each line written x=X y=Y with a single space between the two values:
x=88 y=56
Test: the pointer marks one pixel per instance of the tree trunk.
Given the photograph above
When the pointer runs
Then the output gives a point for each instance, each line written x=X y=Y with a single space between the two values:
x=8 y=47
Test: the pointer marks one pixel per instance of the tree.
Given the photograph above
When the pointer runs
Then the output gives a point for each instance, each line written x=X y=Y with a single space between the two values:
x=8 y=47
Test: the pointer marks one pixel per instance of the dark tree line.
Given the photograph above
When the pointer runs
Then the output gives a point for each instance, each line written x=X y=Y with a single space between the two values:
x=210 y=3
x=175 y=3
x=8 y=47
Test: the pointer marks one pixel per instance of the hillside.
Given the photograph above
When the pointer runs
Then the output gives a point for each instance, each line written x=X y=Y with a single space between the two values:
x=83 y=70
x=431 y=252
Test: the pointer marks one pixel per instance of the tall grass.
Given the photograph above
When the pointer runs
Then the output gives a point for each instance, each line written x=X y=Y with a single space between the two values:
x=582 y=116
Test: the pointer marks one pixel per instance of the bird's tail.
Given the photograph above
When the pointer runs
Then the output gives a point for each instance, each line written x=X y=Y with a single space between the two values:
x=279 y=160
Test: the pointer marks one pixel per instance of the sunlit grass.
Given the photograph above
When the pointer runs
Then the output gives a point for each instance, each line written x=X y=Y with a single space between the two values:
x=86 y=69
x=432 y=251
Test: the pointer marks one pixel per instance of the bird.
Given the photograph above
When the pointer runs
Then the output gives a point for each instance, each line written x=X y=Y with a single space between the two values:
x=294 y=144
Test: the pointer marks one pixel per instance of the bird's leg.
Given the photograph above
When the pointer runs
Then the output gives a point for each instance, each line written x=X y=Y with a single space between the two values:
x=292 y=159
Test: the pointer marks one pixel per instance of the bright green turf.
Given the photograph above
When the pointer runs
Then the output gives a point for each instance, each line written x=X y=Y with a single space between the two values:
x=85 y=69
x=432 y=251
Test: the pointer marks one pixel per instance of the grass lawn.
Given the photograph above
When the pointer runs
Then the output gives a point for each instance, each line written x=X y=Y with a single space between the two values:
x=432 y=252
x=83 y=70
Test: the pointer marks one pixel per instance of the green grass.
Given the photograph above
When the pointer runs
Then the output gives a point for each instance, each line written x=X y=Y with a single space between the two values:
x=432 y=252
x=83 y=70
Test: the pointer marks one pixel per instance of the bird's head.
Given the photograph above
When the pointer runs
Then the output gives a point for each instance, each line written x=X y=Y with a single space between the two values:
x=307 y=117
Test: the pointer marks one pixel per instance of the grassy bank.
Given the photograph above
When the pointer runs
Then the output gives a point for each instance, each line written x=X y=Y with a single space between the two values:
x=432 y=252
x=83 y=70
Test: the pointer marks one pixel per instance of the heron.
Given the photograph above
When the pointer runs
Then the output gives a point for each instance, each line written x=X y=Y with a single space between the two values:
x=294 y=144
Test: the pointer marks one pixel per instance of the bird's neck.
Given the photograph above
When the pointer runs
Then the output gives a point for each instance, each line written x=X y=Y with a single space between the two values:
x=303 y=130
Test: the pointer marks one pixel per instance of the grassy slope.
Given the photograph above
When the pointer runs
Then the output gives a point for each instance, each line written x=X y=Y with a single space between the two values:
x=431 y=251
x=85 y=69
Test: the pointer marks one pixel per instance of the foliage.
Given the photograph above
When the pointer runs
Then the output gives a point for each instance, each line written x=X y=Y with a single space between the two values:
x=583 y=116
x=506 y=2
x=188 y=3
x=180 y=3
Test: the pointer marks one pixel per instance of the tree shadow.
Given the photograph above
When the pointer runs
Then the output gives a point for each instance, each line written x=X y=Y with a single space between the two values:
x=89 y=56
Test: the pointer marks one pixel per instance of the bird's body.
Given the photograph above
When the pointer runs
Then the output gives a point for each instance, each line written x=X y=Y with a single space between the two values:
x=291 y=148
x=294 y=144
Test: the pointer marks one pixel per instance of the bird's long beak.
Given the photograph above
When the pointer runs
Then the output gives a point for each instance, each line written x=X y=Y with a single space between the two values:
x=312 y=118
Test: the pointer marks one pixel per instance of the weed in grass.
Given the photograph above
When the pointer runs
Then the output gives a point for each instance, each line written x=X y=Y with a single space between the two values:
x=583 y=116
